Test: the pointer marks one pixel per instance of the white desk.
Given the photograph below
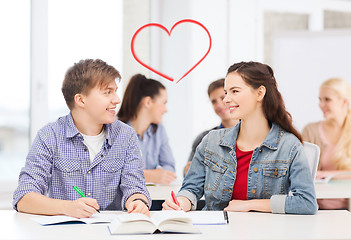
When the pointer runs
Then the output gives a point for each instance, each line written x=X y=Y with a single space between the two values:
x=253 y=225
x=334 y=189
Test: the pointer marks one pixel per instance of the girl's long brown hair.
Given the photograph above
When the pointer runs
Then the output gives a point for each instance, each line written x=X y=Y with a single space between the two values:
x=138 y=87
x=257 y=74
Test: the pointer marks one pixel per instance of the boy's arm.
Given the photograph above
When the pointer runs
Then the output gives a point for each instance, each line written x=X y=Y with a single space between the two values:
x=132 y=177
x=34 y=181
x=37 y=203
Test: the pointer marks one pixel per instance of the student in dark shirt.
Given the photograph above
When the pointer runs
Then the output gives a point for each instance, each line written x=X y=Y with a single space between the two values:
x=216 y=95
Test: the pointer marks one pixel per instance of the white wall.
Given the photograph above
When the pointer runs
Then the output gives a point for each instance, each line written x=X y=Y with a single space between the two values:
x=302 y=61
x=190 y=111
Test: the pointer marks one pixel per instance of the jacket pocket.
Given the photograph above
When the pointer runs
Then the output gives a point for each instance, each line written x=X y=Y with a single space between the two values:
x=274 y=180
x=214 y=173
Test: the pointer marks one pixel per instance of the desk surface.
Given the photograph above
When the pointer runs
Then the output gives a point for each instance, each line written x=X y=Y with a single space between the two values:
x=324 y=225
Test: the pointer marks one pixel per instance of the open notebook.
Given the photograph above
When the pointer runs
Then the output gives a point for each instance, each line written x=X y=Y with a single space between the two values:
x=95 y=218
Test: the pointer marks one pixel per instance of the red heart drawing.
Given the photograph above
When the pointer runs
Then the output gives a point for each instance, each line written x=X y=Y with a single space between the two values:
x=169 y=34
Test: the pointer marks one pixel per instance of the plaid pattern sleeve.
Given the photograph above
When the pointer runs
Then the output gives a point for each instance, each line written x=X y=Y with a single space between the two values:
x=59 y=160
x=132 y=177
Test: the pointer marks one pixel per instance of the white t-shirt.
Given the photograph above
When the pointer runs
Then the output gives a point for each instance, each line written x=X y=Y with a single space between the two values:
x=94 y=143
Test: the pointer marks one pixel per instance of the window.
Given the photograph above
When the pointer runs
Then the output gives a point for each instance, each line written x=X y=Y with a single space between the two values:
x=15 y=86
x=78 y=30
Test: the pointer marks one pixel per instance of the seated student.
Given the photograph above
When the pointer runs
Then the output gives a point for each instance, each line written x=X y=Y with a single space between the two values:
x=216 y=94
x=332 y=135
x=143 y=105
x=258 y=165
x=87 y=148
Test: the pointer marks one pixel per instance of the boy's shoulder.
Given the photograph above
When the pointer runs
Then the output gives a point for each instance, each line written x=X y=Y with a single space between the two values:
x=58 y=125
x=119 y=130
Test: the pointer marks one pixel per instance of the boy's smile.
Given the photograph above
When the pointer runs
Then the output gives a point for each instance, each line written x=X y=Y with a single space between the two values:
x=100 y=104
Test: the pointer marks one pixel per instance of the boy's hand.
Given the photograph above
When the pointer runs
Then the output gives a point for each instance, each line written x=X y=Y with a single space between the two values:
x=137 y=206
x=81 y=208
x=184 y=203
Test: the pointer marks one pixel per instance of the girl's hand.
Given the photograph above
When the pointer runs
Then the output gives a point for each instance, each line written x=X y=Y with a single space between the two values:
x=184 y=203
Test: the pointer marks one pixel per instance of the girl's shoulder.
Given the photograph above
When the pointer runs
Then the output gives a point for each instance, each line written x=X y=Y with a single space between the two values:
x=312 y=126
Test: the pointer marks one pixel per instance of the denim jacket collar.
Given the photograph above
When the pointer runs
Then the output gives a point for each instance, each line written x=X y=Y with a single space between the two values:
x=271 y=141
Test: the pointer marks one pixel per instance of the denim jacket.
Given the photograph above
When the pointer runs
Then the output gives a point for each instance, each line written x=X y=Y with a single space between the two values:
x=278 y=171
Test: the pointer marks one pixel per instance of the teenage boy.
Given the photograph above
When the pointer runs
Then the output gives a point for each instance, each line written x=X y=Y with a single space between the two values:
x=216 y=94
x=88 y=149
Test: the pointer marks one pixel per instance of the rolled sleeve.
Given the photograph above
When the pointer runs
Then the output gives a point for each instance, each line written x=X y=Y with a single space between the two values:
x=277 y=203
x=190 y=196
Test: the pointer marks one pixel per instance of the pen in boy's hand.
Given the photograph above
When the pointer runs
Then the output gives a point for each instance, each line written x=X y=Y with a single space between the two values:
x=175 y=200
x=82 y=194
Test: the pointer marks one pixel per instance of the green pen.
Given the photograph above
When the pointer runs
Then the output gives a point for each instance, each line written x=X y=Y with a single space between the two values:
x=82 y=194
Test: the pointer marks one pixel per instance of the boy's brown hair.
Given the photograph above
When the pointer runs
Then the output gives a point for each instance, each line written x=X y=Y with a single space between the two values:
x=84 y=76
x=215 y=85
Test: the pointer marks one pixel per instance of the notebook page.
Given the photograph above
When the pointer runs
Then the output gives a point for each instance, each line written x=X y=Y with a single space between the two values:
x=207 y=217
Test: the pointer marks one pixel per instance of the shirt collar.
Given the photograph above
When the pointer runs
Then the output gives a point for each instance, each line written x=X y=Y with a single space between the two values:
x=72 y=130
x=271 y=141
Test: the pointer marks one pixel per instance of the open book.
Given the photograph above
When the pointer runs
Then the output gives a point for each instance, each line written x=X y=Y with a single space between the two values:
x=162 y=221
x=95 y=218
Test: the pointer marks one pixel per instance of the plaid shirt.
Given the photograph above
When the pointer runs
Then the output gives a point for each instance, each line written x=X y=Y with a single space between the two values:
x=59 y=160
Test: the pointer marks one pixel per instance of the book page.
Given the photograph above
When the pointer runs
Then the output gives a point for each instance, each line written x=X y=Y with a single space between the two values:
x=170 y=215
x=132 y=223
x=133 y=217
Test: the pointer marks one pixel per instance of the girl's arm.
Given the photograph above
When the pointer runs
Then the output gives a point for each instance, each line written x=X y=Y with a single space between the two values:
x=260 y=205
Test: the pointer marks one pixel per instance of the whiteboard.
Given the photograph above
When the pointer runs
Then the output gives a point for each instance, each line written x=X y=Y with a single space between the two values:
x=302 y=61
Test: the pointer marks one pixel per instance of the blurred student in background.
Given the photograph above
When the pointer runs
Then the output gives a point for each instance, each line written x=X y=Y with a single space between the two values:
x=143 y=105
x=216 y=95
x=260 y=163
x=333 y=135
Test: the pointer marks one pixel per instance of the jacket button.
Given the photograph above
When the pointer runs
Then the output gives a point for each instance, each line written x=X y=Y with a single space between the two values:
x=260 y=150
x=253 y=191
x=255 y=169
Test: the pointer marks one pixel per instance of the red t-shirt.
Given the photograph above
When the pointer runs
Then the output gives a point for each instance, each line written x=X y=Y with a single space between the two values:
x=242 y=172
